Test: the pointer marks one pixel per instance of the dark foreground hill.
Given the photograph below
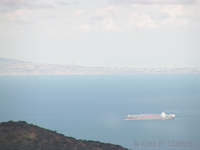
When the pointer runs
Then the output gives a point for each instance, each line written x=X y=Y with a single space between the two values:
x=23 y=136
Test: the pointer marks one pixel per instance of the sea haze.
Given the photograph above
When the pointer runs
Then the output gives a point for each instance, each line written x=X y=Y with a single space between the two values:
x=92 y=107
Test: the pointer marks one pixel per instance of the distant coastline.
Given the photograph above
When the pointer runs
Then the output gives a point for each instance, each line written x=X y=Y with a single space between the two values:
x=17 y=67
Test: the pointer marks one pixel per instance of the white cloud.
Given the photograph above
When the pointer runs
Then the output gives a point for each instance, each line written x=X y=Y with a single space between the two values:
x=25 y=4
x=108 y=17
x=176 y=16
x=154 y=1
x=22 y=16
x=105 y=19
x=120 y=18
x=80 y=12
x=64 y=2
x=143 y=21
x=124 y=18
x=109 y=25
x=85 y=27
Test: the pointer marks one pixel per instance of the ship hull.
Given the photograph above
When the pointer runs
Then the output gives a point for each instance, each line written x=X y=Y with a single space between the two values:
x=149 y=118
x=162 y=116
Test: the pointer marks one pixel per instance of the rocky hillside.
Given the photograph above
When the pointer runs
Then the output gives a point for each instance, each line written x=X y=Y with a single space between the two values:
x=23 y=136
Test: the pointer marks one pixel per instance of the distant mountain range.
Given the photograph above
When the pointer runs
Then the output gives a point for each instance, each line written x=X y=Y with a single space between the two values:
x=23 y=136
x=17 y=67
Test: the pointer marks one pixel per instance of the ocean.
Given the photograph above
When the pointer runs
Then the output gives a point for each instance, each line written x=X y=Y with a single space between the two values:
x=92 y=107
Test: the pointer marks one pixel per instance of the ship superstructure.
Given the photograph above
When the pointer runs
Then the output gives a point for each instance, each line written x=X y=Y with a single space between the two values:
x=161 y=116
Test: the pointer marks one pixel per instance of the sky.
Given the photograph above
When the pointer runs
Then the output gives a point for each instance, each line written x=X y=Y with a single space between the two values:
x=101 y=33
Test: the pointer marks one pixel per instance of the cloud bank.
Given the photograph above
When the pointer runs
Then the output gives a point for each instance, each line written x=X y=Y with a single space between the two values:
x=153 y=1
x=28 y=4
x=86 y=30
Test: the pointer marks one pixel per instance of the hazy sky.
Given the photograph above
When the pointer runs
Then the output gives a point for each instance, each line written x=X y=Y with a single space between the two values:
x=101 y=32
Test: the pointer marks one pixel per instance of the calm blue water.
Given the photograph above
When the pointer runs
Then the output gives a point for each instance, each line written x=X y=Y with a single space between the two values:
x=92 y=107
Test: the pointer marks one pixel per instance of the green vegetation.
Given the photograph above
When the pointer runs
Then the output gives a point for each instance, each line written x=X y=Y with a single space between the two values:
x=23 y=136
